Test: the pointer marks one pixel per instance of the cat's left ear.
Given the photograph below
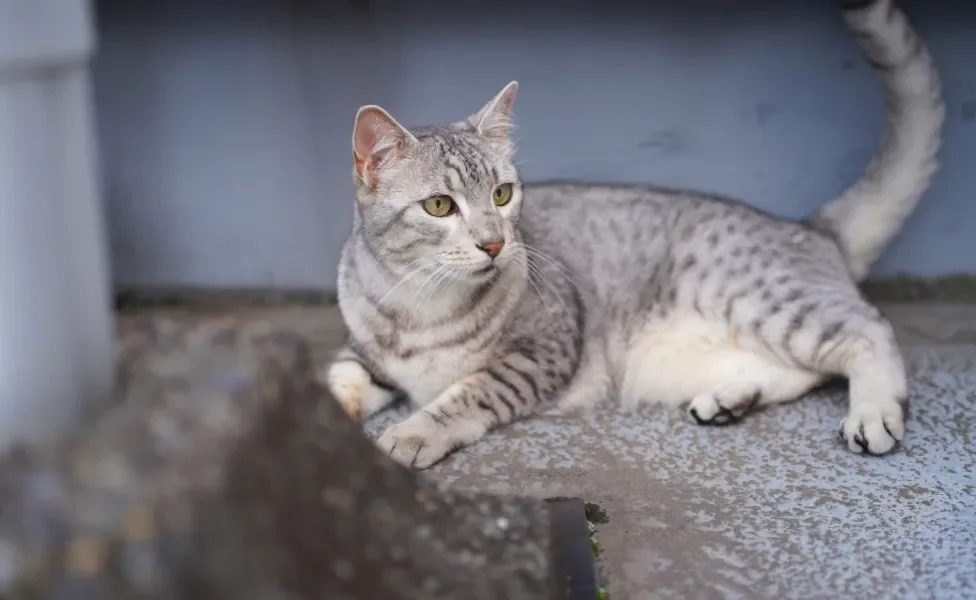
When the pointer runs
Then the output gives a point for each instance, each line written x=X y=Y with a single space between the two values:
x=494 y=120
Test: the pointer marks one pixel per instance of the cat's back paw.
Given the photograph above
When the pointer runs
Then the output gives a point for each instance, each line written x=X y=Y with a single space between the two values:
x=877 y=428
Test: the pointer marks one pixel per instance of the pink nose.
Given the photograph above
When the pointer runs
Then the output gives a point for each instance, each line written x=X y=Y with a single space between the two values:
x=493 y=249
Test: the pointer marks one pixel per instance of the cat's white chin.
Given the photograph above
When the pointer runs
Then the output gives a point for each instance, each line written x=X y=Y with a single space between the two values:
x=483 y=274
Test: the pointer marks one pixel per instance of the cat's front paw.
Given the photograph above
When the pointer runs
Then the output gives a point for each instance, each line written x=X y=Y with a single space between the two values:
x=354 y=389
x=348 y=381
x=875 y=428
x=416 y=443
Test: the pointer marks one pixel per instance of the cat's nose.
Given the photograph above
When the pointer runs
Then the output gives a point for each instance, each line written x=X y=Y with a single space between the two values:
x=492 y=249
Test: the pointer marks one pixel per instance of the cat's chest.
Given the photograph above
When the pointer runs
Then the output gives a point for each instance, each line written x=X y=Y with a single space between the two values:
x=424 y=375
x=422 y=362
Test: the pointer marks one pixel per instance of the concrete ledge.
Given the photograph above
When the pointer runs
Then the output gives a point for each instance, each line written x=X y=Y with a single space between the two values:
x=55 y=326
x=37 y=35
x=955 y=288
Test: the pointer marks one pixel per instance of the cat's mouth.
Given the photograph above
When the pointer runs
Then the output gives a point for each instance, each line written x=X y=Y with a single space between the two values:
x=485 y=272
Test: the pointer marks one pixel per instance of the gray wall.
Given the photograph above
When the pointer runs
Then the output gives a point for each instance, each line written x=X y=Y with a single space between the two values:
x=225 y=126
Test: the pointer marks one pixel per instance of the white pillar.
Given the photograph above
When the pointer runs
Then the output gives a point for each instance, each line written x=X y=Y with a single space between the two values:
x=56 y=355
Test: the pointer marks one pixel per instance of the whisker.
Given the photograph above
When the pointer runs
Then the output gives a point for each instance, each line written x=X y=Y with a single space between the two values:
x=433 y=260
x=546 y=281
x=548 y=262
x=446 y=274
x=453 y=277
x=563 y=269
x=525 y=258
x=419 y=294
x=549 y=285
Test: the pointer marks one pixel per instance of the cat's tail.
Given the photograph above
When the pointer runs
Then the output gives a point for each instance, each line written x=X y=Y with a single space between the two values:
x=870 y=212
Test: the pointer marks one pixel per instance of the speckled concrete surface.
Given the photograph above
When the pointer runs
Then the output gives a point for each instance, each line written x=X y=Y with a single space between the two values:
x=774 y=507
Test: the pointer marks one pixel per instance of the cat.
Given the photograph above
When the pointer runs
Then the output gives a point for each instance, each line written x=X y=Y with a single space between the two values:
x=484 y=300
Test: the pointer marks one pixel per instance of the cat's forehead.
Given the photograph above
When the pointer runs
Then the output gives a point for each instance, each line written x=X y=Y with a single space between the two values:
x=461 y=152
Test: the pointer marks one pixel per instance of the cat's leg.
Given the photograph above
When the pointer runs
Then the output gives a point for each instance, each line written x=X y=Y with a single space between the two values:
x=848 y=337
x=359 y=394
x=758 y=381
x=865 y=351
x=685 y=359
x=591 y=383
x=507 y=390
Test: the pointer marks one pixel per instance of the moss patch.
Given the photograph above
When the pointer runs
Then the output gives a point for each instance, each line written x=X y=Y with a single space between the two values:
x=597 y=516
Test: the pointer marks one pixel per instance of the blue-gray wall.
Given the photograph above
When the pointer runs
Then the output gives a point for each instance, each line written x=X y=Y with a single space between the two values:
x=225 y=126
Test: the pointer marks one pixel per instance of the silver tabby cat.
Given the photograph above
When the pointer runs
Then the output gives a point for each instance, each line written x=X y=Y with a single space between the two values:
x=484 y=300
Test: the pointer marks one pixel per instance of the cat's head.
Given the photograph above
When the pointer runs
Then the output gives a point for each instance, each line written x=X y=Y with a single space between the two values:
x=442 y=198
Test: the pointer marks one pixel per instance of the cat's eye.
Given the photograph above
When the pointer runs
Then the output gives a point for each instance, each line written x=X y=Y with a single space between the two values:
x=439 y=206
x=502 y=194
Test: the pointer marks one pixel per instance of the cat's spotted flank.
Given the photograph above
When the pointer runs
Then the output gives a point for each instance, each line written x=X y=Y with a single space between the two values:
x=484 y=300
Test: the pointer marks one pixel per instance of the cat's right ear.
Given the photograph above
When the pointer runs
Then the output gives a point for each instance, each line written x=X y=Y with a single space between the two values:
x=494 y=120
x=376 y=140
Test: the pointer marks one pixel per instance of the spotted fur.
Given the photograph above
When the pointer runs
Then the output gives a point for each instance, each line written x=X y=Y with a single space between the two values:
x=642 y=294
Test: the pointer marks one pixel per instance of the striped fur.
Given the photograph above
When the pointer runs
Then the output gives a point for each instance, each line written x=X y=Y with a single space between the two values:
x=603 y=291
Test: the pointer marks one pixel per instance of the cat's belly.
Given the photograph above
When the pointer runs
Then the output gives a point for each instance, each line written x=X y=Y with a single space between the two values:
x=672 y=360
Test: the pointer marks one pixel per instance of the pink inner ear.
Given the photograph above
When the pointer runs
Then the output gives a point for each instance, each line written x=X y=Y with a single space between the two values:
x=495 y=120
x=505 y=100
x=375 y=135
x=369 y=128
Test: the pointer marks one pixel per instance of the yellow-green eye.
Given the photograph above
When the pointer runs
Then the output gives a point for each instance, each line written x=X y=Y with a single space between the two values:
x=502 y=194
x=439 y=206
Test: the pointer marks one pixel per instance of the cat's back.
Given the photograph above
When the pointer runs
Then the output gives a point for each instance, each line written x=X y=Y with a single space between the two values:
x=615 y=235
x=589 y=225
x=622 y=215
x=632 y=212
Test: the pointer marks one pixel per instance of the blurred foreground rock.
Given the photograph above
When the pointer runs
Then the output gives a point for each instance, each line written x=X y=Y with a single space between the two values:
x=225 y=471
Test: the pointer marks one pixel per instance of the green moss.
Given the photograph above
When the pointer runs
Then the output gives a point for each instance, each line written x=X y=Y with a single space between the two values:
x=595 y=514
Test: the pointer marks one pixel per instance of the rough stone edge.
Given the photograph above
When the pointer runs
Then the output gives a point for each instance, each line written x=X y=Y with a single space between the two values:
x=195 y=531
x=898 y=288
x=906 y=288
x=133 y=299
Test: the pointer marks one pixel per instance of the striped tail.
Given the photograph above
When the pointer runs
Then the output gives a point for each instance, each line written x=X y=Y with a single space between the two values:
x=870 y=212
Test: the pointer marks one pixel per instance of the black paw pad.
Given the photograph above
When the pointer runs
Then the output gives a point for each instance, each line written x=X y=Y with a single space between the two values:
x=861 y=440
x=694 y=413
x=724 y=416
x=420 y=446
